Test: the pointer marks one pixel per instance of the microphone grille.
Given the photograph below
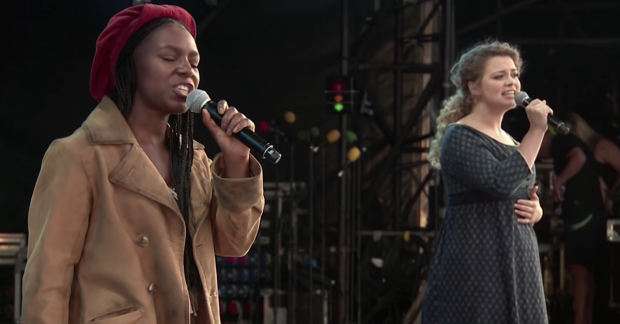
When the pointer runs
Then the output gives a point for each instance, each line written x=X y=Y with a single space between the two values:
x=521 y=98
x=196 y=100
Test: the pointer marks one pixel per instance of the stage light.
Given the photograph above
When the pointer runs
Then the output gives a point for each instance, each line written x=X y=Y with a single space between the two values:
x=340 y=95
x=338 y=85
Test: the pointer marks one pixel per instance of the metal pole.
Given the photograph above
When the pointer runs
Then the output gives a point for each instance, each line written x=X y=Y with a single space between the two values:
x=323 y=229
x=311 y=225
x=342 y=252
x=350 y=246
x=448 y=45
x=292 y=309
x=358 y=244
x=398 y=104
x=356 y=228
x=277 y=223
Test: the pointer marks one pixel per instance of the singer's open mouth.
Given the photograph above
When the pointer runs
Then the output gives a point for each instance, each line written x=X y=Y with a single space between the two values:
x=183 y=88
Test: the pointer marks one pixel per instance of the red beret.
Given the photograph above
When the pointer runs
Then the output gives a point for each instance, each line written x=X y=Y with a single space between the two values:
x=113 y=38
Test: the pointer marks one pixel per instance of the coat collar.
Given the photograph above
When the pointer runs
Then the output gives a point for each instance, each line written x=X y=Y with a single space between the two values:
x=134 y=171
x=106 y=125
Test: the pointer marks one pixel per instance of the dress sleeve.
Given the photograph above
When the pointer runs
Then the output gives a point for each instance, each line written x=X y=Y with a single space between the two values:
x=465 y=154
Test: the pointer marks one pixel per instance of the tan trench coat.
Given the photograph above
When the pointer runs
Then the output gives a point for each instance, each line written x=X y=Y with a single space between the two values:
x=106 y=238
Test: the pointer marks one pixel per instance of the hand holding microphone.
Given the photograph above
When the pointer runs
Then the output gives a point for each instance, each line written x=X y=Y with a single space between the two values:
x=197 y=100
x=539 y=114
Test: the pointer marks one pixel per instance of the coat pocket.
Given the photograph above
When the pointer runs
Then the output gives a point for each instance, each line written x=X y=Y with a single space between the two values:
x=123 y=316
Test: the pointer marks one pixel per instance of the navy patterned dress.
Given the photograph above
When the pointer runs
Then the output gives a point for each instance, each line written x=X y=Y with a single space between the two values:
x=486 y=267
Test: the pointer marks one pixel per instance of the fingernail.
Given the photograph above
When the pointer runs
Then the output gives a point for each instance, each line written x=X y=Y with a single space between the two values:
x=235 y=129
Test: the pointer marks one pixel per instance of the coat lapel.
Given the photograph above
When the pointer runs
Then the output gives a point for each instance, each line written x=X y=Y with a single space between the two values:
x=107 y=126
x=136 y=173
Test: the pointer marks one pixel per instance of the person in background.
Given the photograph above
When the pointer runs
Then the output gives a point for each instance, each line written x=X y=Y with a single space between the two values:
x=607 y=156
x=576 y=189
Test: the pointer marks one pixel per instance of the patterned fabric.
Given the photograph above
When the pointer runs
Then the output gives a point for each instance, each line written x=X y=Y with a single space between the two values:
x=486 y=267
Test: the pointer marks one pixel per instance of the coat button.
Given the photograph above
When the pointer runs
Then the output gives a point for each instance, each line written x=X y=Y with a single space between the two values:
x=152 y=288
x=144 y=241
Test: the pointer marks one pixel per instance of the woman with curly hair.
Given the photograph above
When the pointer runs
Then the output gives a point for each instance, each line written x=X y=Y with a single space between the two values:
x=486 y=266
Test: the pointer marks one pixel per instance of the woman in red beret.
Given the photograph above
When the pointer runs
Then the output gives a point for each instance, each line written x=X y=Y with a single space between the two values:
x=128 y=212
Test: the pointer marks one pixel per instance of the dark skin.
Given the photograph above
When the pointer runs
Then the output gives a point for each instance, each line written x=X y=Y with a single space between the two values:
x=167 y=70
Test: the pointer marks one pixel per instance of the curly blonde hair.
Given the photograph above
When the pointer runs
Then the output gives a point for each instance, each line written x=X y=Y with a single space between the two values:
x=469 y=68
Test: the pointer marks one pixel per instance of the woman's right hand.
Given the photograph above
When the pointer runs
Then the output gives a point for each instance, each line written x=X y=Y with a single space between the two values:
x=537 y=112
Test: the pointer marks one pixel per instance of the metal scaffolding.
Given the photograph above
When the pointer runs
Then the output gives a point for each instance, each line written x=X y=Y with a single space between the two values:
x=402 y=62
x=422 y=46
x=570 y=29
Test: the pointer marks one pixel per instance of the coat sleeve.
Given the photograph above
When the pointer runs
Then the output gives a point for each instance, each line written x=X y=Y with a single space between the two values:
x=465 y=155
x=236 y=209
x=57 y=224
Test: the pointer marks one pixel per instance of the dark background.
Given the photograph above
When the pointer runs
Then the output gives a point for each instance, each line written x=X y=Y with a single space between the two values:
x=271 y=56
x=267 y=57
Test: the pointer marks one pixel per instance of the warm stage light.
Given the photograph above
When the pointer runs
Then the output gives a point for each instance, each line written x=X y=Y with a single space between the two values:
x=338 y=86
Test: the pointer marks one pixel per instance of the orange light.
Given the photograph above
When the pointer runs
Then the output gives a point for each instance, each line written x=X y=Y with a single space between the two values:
x=338 y=98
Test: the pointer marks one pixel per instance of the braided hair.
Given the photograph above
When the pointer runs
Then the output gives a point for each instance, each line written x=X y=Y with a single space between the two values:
x=181 y=140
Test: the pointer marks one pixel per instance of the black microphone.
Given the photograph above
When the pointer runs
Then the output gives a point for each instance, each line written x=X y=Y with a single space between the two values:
x=197 y=100
x=522 y=99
